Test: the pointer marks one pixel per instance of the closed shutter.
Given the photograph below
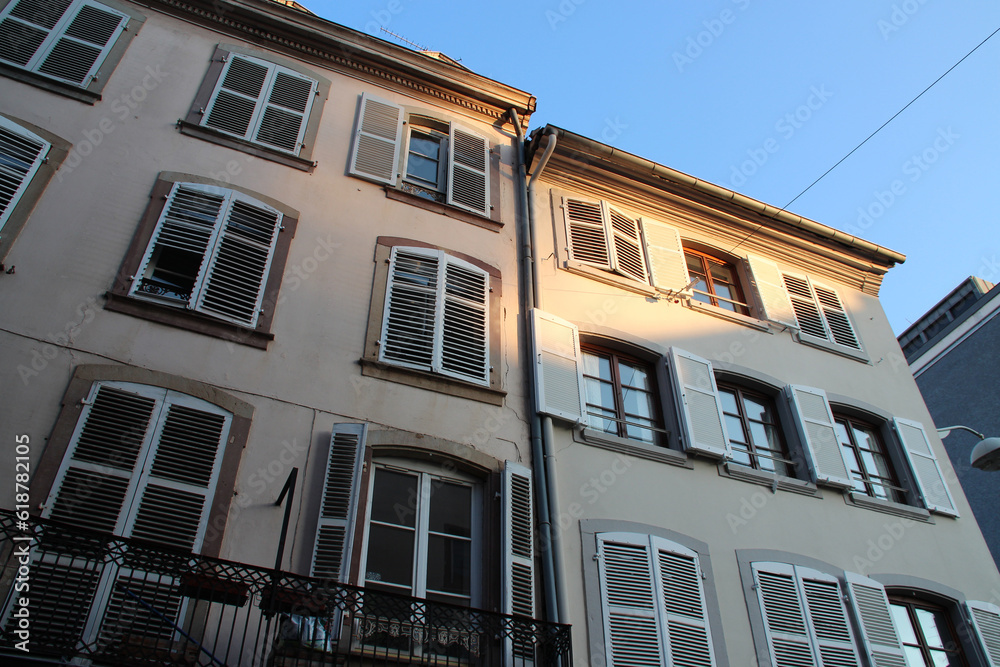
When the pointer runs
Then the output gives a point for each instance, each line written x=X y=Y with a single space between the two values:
x=816 y=428
x=469 y=171
x=985 y=619
x=774 y=299
x=807 y=313
x=630 y=604
x=784 y=617
x=410 y=308
x=64 y=40
x=331 y=555
x=924 y=464
x=878 y=632
x=21 y=154
x=464 y=323
x=699 y=405
x=685 y=613
x=233 y=108
x=586 y=234
x=283 y=121
x=667 y=266
x=828 y=619
x=518 y=540
x=558 y=379
x=375 y=154
x=837 y=321
x=626 y=245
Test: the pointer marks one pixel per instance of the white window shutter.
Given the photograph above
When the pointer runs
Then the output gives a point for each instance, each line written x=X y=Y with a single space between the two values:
x=807 y=313
x=518 y=541
x=464 y=321
x=925 y=466
x=816 y=428
x=881 y=639
x=828 y=625
x=25 y=26
x=586 y=232
x=331 y=556
x=630 y=602
x=235 y=106
x=283 y=117
x=234 y=282
x=375 y=154
x=21 y=154
x=626 y=245
x=771 y=290
x=558 y=378
x=678 y=578
x=986 y=621
x=469 y=170
x=837 y=321
x=665 y=253
x=781 y=606
x=410 y=316
x=698 y=404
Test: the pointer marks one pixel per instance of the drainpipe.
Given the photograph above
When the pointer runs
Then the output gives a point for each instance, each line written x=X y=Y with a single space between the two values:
x=541 y=434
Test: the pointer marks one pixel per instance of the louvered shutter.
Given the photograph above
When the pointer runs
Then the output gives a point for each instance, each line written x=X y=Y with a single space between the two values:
x=698 y=404
x=807 y=313
x=827 y=617
x=630 y=603
x=665 y=254
x=283 y=119
x=468 y=170
x=518 y=541
x=771 y=289
x=878 y=632
x=781 y=607
x=235 y=104
x=678 y=577
x=558 y=380
x=626 y=245
x=21 y=153
x=234 y=281
x=463 y=326
x=925 y=466
x=408 y=323
x=586 y=233
x=331 y=555
x=816 y=428
x=985 y=619
x=837 y=321
x=375 y=154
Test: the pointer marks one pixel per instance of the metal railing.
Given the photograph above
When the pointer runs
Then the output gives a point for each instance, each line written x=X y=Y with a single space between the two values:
x=104 y=600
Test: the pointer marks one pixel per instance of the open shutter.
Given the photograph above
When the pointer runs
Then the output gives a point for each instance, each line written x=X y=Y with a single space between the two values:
x=925 y=467
x=283 y=120
x=836 y=317
x=626 y=245
x=21 y=153
x=235 y=104
x=464 y=327
x=410 y=315
x=816 y=428
x=233 y=287
x=699 y=406
x=469 y=170
x=518 y=541
x=781 y=606
x=679 y=580
x=375 y=154
x=331 y=555
x=26 y=25
x=630 y=602
x=986 y=620
x=871 y=607
x=827 y=616
x=665 y=254
x=558 y=382
x=585 y=232
x=807 y=313
x=771 y=291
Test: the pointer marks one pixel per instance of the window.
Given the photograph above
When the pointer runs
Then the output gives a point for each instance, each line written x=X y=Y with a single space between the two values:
x=208 y=252
x=867 y=460
x=715 y=282
x=754 y=432
x=927 y=634
x=65 y=42
x=820 y=313
x=621 y=395
x=259 y=106
x=440 y=161
x=22 y=154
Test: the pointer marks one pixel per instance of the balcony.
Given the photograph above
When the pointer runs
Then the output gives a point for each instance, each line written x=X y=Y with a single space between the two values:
x=102 y=600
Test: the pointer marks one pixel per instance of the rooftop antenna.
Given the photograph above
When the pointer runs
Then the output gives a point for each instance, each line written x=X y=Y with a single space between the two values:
x=403 y=39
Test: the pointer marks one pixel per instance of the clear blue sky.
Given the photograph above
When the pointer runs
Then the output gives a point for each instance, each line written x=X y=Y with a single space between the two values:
x=763 y=97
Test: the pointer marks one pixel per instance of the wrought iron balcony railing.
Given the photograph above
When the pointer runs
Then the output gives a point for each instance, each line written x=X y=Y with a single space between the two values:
x=103 y=600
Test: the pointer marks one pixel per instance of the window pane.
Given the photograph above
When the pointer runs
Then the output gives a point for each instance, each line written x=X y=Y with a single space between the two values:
x=842 y=435
x=451 y=508
x=394 y=498
x=758 y=433
x=934 y=627
x=449 y=565
x=728 y=401
x=390 y=555
x=740 y=454
x=735 y=429
x=726 y=293
x=914 y=657
x=634 y=376
x=422 y=169
x=596 y=366
x=637 y=403
x=942 y=659
x=901 y=619
x=426 y=145
x=600 y=393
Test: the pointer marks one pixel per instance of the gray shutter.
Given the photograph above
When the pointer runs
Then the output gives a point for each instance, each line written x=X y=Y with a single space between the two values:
x=331 y=556
x=774 y=300
x=698 y=404
x=586 y=233
x=411 y=306
x=469 y=170
x=81 y=43
x=781 y=606
x=828 y=624
x=234 y=281
x=630 y=603
x=678 y=576
x=558 y=379
x=235 y=104
x=837 y=321
x=925 y=466
x=518 y=541
x=375 y=154
x=816 y=428
x=283 y=119
x=985 y=619
x=464 y=324
x=25 y=26
x=807 y=313
x=21 y=153
x=878 y=632
x=665 y=253
x=626 y=245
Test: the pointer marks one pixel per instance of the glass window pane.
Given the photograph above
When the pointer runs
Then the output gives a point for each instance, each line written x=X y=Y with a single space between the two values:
x=390 y=555
x=698 y=296
x=726 y=293
x=758 y=433
x=842 y=435
x=695 y=268
x=394 y=498
x=914 y=657
x=869 y=462
x=942 y=659
x=639 y=433
x=740 y=455
x=728 y=401
x=901 y=619
x=422 y=169
x=934 y=627
x=756 y=409
x=735 y=428
x=634 y=376
x=637 y=403
x=596 y=366
x=425 y=145
x=600 y=393
x=865 y=439
x=851 y=459
x=451 y=508
x=449 y=565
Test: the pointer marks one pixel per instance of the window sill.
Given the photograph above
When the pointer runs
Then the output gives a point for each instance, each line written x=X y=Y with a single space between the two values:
x=185 y=319
x=216 y=137
x=774 y=481
x=51 y=85
x=589 y=436
x=724 y=314
x=432 y=382
x=857 y=355
x=444 y=209
x=613 y=279
x=888 y=507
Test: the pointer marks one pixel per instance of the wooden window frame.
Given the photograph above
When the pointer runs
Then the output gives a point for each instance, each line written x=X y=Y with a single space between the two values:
x=658 y=429
x=911 y=605
x=706 y=260
x=898 y=493
x=740 y=393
